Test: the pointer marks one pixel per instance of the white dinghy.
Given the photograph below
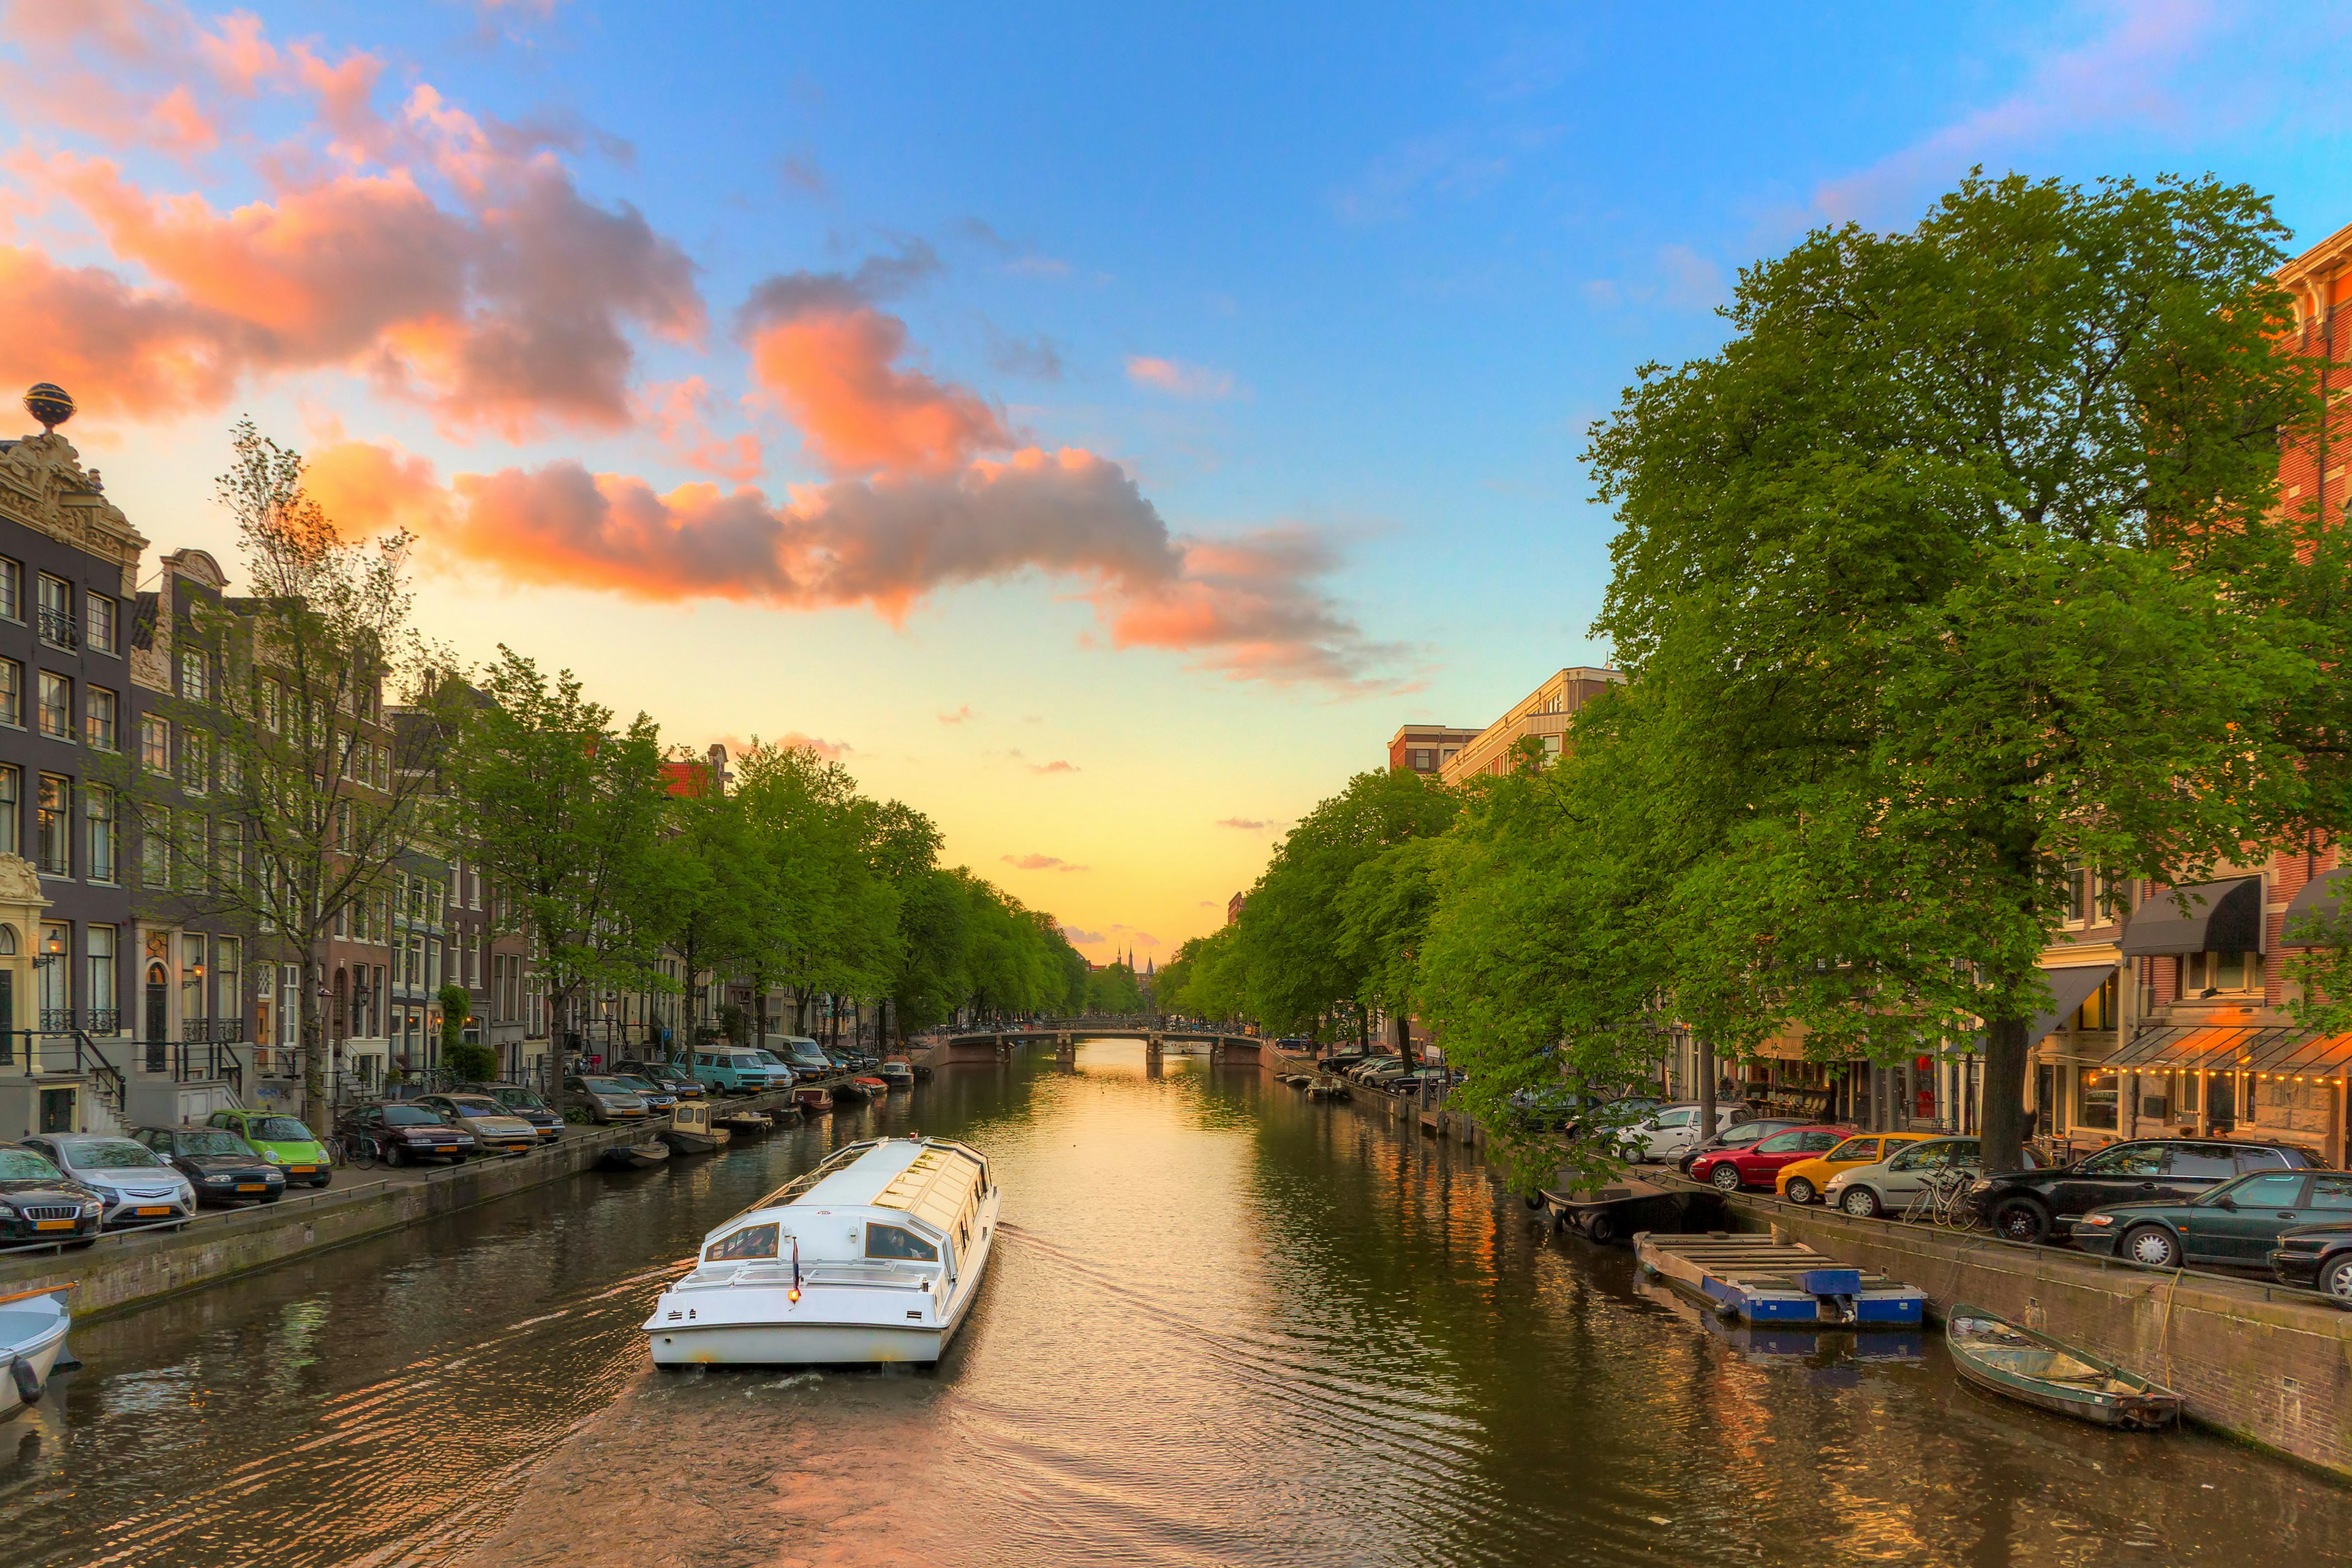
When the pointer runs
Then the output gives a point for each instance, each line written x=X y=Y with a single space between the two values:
x=874 y=1256
x=33 y=1325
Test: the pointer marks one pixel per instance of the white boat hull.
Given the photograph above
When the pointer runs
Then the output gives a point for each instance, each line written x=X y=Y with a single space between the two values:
x=32 y=1331
x=830 y=1325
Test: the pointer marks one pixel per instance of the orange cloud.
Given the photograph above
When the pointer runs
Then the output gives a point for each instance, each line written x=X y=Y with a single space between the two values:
x=678 y=411
x=1039 y=863
x=1181 y=380
x=369 y=488
x=835 y=373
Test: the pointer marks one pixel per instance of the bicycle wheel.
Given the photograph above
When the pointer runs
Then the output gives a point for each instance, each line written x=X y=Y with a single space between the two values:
x=363 y=1151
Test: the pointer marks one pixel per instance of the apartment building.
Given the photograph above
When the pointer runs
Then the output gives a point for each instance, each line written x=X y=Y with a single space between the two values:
x=1425 y=748
x=1543 y=714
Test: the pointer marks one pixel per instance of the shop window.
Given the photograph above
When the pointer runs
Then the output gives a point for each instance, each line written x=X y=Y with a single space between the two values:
x=2098 y=1103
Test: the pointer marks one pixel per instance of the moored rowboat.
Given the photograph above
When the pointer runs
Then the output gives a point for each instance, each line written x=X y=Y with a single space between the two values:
x=1994 y=1353
x=33 y=1325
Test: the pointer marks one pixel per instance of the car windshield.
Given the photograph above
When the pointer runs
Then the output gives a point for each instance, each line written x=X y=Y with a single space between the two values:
x=278 y=1130
x=409 y=1116
x=605 y=1086
x=213 y=1141
x=114 y=1155
x=632 y=1082
x=476 y=1107
x=517 y=1098
x=23 y=1165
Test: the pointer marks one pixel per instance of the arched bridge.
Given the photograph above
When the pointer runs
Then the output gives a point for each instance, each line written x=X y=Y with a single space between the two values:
x=1062 y=1039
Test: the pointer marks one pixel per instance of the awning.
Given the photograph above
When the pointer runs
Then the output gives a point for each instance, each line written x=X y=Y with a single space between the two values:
x=2223 y=917
x=2191 y=1047
x=2321 y=896
x=2069 y=989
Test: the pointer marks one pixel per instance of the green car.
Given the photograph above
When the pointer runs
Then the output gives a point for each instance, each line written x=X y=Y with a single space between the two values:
x=284 y=1141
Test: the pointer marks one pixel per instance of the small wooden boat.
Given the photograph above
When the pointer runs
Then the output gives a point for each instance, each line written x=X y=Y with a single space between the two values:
x=1994 y=1353
x=896 y=1075
x=1328 y=1086
x=783 y=1115
x=1760 y=1280
x=1620 y=1208
x=851 y=1092
x=33 y=1325
x=691 y=1132
x=744 y=1122
x=813 y=1101
x=634 y=1156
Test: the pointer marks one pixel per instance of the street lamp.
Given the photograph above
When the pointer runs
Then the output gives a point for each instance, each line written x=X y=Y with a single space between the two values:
x=53 y=947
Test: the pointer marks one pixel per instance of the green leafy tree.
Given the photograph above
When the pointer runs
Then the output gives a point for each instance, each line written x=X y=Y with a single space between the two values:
x=1960 y=565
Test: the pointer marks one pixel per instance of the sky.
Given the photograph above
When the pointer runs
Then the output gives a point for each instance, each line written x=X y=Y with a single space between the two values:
x=1098 y=428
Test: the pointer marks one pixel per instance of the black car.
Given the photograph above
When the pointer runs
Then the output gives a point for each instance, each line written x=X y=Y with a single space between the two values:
x=408 y=1133
x=2317 y=1258
x=41 y=1203
x=223 y=1167
x=1740 y=1135
x=2034 y=1205
x=668 y=1079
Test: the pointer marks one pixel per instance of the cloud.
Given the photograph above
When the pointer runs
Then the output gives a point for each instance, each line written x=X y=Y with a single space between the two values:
x=1079 y=937
x=1039 y=358
x=802 y=174
x=958 y=717
x=446 y=258
x=367 y=489
x=1179 y=380
x=1677 y=277
x=1056 y=766
x=2116 y=77
x=1039 y=863
x=1248 y=824
x=789 y=741
x=677 y=414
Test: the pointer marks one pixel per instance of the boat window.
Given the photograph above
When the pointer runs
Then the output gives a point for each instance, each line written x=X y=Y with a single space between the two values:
x=751 y=1241
x=896 y=1241
x=2134 y=1159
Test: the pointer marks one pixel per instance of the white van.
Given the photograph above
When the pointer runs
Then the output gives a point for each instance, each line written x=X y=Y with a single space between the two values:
x=1665 y=1136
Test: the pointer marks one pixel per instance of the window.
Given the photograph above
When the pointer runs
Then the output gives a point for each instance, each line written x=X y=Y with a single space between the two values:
x=97 y=611
x=12 y=590
x=57 y=612
x=736 y=1246
x=196 y=752
x=98 y=809
x=270 y=699
x=2188 y=1159
x=1781 y=1143
x=52 y=836
x=2203 y=972
x=2261 y=1159
x=896 y=1241
x=1855 y=1149
x=56 y=979
x=433 y=965
x=195 y=683
x=12 y=693
x=98 y=942
x=1929 y=1156
x=192 y=977
x=232 y=771
x=2330 y=1192
x=383 y=767
x=56 y=706
x=154 y=847
x=192 y=858
x=11 y=803
x=290 y=1003
x=227 y=977
x=2126 y=1160
x=97 y=716
x=155 y=744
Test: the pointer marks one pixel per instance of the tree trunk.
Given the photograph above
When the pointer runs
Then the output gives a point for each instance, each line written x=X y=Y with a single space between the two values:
x=1706 y=1112
x=317 y=1109
x=2006 y=1048
x=1400 y=1028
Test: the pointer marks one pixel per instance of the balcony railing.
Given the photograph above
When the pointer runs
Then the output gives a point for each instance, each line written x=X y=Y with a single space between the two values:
x=58 y=1021
x=60 y=627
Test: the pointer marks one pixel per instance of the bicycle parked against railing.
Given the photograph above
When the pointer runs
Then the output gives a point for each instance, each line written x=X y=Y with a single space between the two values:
x=355 y=1150
x=1943 y=1199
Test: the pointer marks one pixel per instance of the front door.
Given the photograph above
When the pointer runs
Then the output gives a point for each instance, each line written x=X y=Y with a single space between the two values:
x=159 y=1004
x=56 y=1110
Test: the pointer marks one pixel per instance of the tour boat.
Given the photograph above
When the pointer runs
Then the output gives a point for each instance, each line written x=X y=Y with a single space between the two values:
x=33 y=1325
x=874 y=1256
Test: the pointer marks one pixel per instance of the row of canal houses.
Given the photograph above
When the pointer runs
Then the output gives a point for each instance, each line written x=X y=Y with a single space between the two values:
x=2160 y=1021
x=122 y=1003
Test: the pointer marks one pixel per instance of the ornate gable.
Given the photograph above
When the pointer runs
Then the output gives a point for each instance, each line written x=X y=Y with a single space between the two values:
x=44 y=487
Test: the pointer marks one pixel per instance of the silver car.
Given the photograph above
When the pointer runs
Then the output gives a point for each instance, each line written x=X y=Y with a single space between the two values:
x=140 y=1188
x=604 y=1099
x=1889 y=1186
x=494 y=1127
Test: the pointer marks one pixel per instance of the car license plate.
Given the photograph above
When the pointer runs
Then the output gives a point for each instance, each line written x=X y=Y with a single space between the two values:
x=253 y=1187
x=517 y=1148
x=53 y=1225
x=301 y=1169
x=151 y=1209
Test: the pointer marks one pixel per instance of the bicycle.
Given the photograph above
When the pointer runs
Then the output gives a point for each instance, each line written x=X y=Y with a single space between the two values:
x=1941 y=1200
x=356 y=1150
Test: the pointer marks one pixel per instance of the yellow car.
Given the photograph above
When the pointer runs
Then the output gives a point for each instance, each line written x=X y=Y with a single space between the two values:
x=1802 y=1182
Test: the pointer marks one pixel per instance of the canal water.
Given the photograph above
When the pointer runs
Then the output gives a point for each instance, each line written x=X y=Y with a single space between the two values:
x=1223 y=1326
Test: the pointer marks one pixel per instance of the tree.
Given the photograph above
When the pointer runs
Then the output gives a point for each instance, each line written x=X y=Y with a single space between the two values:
x=283 y=798
x=1959 y=566
x=563 y=808
x=468 y=1061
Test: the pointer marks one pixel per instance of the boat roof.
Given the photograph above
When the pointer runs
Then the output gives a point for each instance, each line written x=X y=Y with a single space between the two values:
x=921 y=1175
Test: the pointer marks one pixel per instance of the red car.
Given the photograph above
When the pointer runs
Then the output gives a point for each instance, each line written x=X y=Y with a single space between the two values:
x=1756 y=1165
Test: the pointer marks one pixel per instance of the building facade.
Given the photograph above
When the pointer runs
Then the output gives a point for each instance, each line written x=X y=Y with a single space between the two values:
x=1425 y=748
x=1543 y=714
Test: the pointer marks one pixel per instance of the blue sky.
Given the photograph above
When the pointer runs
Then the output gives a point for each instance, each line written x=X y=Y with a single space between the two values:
x=1342 y=284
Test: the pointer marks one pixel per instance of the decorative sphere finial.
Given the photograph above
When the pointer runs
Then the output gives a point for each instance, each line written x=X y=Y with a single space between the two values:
x=49 y=404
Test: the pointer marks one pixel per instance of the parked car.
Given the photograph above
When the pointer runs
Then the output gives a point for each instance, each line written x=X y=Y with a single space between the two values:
x=1739 y=1135
x=658 y=1101
x=1756 y=1164
x=409 y=1133
x=779 y=1072
x=2035 y=1206
x=223 y=1167
x=492 y=1124
x=1803 y=1182
x=1893 y=1181
x=663 y=1076
x=1363 y=1070
x=41 y=1203
x=523 y=1103
x=804 y=1057
x=138 y=1187
x=2316 y=1257
x=283 y=1141
x=604 y=1099
x=2235 y=1224
x=1670 y=1132
x=723 y=1070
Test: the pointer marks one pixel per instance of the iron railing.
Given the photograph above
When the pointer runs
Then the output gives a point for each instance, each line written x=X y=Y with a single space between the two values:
x=58 y=627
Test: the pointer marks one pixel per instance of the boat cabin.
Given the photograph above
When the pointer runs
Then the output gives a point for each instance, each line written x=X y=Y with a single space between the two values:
x=879 y=1210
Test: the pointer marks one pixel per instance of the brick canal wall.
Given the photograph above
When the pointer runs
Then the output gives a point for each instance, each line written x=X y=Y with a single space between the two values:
x=123 y=1271
x=2257 y=1361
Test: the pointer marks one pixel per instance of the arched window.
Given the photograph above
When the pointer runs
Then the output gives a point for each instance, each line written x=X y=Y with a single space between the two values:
x=7 y=941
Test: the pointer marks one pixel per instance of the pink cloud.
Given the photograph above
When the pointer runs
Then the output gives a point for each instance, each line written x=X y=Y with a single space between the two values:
x=1247 y=824
x=1056 y=766
x=1078 y=937
x=1179 y=379
x=1039 y=863
x=677 y=412
x=960 y=716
